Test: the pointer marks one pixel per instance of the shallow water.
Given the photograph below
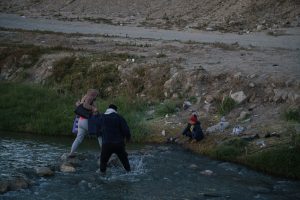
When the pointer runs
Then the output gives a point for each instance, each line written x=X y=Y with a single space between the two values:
x=158 y=172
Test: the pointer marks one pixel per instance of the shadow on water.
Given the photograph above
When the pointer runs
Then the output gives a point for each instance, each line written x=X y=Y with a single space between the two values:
x=158 y=172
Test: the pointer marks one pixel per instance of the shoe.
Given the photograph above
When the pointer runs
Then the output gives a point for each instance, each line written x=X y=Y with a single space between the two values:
x=71 y=155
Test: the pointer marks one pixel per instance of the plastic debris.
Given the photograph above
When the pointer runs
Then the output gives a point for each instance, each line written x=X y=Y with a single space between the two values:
x=237 y=130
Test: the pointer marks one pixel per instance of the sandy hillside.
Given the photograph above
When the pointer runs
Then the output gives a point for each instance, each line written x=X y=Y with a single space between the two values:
x=225 y=15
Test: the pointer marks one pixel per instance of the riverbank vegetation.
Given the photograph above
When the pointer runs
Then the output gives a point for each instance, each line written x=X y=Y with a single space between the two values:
x=42 y=110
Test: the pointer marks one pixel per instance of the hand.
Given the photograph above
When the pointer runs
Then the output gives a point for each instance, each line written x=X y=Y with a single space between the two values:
x=94 y=110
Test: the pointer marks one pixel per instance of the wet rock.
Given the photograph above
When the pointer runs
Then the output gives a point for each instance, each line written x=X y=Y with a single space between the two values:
x=67 y=168
x=259 y=189
x=186 y=105
x=4 y=186
x=18 y=183
x=114 y=161
x=238 y=97
x=207 y=172
x=218 y=127
x=73 y=161
x=44 y=171
x=193 y=166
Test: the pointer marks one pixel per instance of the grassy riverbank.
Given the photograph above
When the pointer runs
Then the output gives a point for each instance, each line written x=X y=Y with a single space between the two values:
x=34 y=109
x=40 y=110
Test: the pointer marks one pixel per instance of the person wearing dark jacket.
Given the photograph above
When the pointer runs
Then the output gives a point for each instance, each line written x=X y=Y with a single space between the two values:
x=193 y=129
x=114 y=130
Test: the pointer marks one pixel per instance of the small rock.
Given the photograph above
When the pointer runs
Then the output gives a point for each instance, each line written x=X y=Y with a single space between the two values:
x=238 y=97
x=280 y=95
x=44 y=171
x=207 y=172
x=243 y=115
x=252 y=85
x=210 y=29
x=193 y=166
x=237 y=75
x=67 y=167
x=163 y=133
x=209 y=98
x=261 y=143
x=252 y=76
x=259 y=27
x=150 y=112
x=251 y=107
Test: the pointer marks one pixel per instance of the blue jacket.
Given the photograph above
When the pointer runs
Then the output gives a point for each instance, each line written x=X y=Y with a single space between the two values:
x=112 y=127
x=194 y=131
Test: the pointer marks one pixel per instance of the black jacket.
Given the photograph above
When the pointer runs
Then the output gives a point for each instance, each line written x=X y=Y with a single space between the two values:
x=196 y=132
x=112 y=127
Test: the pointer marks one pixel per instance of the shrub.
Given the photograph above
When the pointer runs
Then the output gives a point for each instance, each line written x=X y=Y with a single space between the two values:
x=292 y=115
x=226 y=105
x=167 y=107
x=230 y=150
x=28 y=108
x=280 y=160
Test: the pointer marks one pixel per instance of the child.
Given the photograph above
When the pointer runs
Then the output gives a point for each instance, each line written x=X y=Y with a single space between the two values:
x=193 y=130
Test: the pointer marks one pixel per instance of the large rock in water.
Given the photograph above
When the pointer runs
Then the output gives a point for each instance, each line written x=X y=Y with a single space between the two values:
x=67 y=168
x=238 y=97
x=19 y=183
x=44 y=171
x=4 y=186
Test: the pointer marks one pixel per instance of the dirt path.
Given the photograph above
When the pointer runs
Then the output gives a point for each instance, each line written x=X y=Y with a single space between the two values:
x=290 y=40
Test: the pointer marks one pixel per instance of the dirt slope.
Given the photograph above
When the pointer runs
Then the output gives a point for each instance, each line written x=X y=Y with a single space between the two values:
x=224 y=15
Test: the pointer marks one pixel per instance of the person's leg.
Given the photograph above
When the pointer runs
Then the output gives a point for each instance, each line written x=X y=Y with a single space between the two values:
x=99 y=138
x=82 y=131
x=123 y=156
x=106 y=152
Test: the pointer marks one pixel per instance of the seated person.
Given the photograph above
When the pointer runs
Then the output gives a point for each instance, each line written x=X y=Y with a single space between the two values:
x=193 y=130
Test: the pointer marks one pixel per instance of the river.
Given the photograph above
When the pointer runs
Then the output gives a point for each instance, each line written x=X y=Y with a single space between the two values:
x=158 y=172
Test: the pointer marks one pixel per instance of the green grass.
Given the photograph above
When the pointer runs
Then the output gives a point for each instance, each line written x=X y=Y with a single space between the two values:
x=167 y=107
x=292 y=115
x=229 y=150
x=76 y=74
x=30 y=108
x=226 y=105
x=283 y=161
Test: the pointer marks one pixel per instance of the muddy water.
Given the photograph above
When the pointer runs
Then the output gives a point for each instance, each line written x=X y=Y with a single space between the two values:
x=289 y=41
x=158 y=172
